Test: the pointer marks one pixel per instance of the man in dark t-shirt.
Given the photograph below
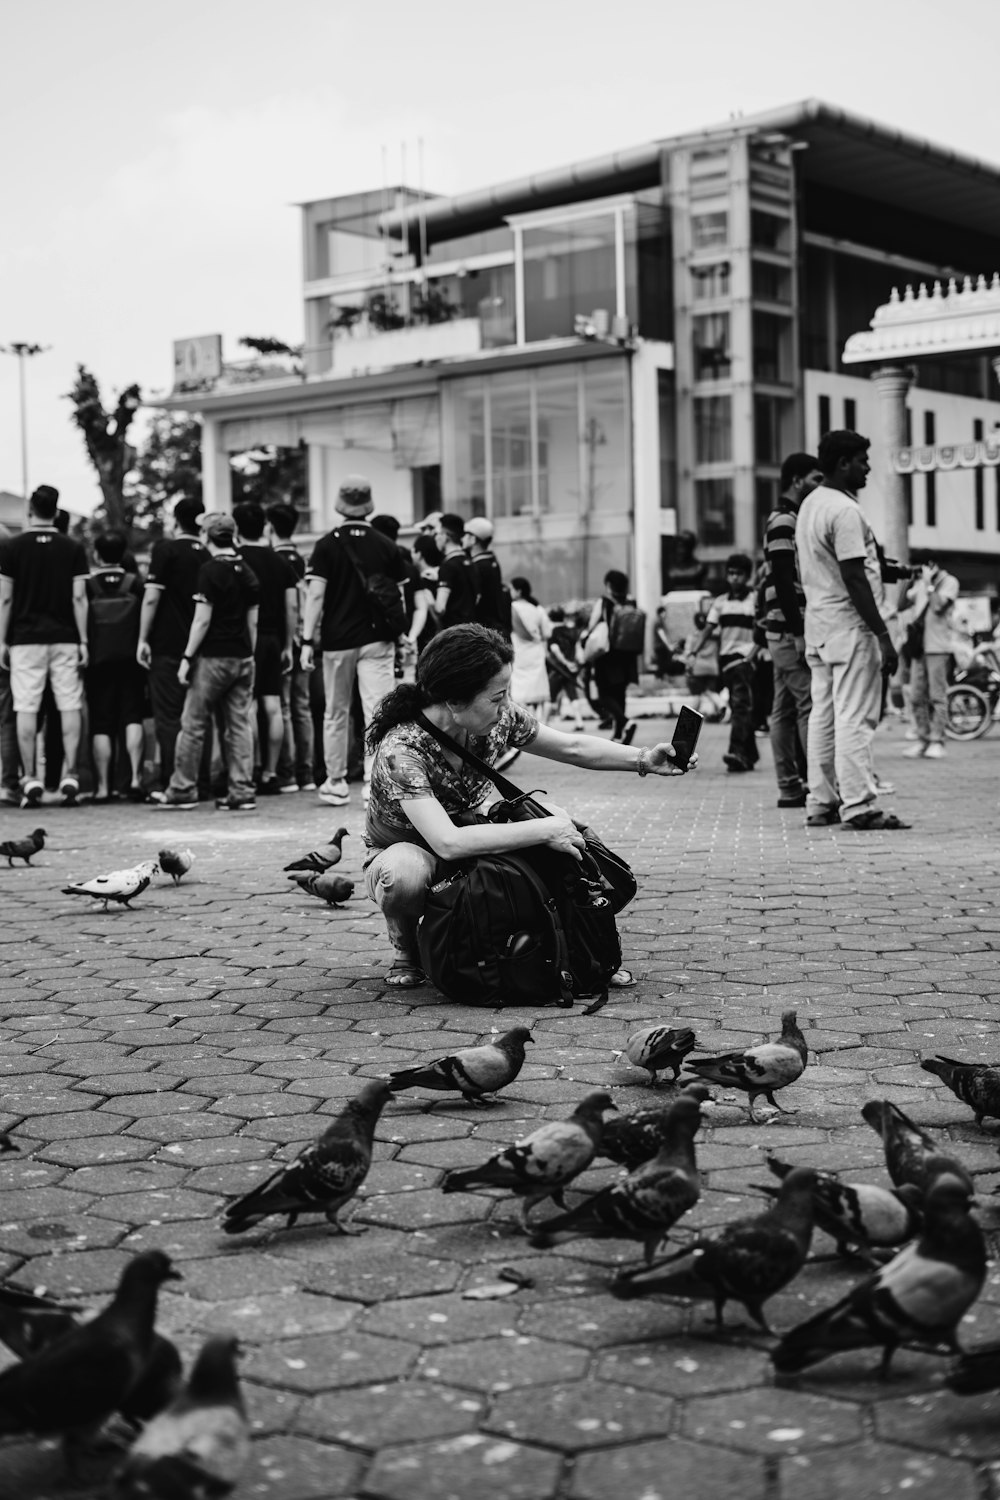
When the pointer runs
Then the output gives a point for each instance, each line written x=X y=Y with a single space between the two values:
x=167 y=612
x=457 y=591
x=493 y=601
x=218 y=659
x=277 y=622
x=356 y=643
x=43 y=636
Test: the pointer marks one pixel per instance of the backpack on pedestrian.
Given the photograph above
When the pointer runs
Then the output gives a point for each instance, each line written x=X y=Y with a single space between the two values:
x=113 y=621
x=528 y=927
x=628 y=629
x=381 y=594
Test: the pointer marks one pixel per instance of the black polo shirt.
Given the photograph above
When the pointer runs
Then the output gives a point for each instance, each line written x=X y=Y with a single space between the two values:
x=347 y=619
x=173 y=569
x=43 y=564
x=458 y=575
x=228 y=585
x=274 y=575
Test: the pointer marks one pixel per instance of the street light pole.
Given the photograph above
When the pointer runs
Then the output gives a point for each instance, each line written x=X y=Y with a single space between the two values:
x=23 y=352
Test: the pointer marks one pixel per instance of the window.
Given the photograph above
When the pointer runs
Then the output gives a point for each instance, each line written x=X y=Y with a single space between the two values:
x=768 y=419
x=771 y=283
x=710 y=281
x=980 y=481
x=771 y=347
x=710 y=340
x=713 y=430
x=769 y=231
x=510 y=444
x=713 y=499
x=605 y=438
x=569 y=269
x=929 y=428
x=464 y=437
x=709 y=230
x=908 y=497
x=557 y=406
x=765 y=498
x=824 y=415
x=930 y=499
x=850 y=414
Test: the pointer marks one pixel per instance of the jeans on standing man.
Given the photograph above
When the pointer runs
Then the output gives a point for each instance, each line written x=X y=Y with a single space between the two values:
x=789 y=724
x=224 y=683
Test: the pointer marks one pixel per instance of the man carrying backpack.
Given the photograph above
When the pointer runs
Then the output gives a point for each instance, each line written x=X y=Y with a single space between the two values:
x=354 y=598
x=494 y=605
x=115 y=684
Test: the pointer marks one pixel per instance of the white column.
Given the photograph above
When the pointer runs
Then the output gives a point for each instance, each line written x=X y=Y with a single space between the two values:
x=892 y=383
x=648 y=359
x=216 y=476
x=316 y=480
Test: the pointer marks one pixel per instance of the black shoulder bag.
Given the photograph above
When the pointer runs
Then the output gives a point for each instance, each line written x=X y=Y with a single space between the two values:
x=527 y=927
x=381 y=594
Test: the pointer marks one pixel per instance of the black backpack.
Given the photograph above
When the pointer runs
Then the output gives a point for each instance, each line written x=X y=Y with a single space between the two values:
x=113 y=621
x=529 y=927
x=628 y=629
x=382 y=596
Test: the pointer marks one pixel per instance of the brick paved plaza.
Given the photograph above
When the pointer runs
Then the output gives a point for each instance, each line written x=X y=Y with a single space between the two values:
x=157 y=1060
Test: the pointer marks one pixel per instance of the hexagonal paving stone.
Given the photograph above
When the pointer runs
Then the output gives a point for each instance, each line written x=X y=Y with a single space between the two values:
x=292 y=1468
x=272 y=1317
x=379 y=1275
x=665 y=1470
x=423 y=1208
x=876 y=1469
x=771 y=1421
x=377 y=1416
x=686 y=1366
x=580 y=1415
x=600 y=1321
x=457 y=1468
x=499 y=1364
x=331 y=1360
x=960 y=1426
x=439 y=1320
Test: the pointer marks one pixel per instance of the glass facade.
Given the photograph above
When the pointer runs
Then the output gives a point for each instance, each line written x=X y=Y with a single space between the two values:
x=713 y=429
x=713 y=500
x=710 y=281
x=569 y=269
x=710 y=338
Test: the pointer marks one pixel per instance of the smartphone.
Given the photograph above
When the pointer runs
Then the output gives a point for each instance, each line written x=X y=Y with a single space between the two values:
x=686 y=734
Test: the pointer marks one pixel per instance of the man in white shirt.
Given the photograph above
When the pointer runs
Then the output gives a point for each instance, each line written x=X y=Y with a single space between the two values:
x=930 y=600
x=848 y=646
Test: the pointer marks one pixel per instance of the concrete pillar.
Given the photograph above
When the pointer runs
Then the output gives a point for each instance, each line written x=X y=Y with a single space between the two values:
x=648 y=359
x=316 y=485
x=216 y=475
x=892 y=383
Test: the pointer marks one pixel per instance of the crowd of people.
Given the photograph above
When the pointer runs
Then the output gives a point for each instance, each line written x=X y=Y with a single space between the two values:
x=260 y=670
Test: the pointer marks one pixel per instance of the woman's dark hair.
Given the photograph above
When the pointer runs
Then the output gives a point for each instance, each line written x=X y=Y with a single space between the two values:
x=524 y=588
x=617 y=584
x=453 y=667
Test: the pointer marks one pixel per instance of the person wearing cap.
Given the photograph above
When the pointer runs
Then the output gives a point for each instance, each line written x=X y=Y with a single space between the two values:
x=357 y=644
x=217 y=668
x=493 y=606
x=43 y=636
x=456 y=594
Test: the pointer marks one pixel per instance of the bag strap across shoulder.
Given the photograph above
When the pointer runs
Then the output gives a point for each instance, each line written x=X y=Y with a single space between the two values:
x=506 y=788
x=348 y=547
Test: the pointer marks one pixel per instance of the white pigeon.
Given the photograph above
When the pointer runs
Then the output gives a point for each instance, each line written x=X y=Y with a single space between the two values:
x=176 y=862
x=117 y=885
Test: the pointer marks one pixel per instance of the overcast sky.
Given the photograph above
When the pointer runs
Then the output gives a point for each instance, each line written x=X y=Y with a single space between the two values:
x=153 y=154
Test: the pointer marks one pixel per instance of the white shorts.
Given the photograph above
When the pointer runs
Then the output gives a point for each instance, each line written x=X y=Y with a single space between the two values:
x=32 y=666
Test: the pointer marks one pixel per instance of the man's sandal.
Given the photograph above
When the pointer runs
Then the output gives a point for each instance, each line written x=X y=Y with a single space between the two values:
x=876 y=822
x=621 y=980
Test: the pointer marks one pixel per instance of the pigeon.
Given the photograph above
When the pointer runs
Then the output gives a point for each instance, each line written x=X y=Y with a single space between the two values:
x=659 y=1047
x=859 y=1216
x=329 y=888
x=759 y=1070
x=6 y=1144
x=199 y=1445
x=121 y=886
x=324 y=1176
x=976 y=1084
x=72 y=1385
x=911 y=1155
x=542 y=1163
x=650 y=1200
x=471 y=1072
x=23 y=848
x=748 y=1261
x=632 y=1139
x=919 y=1298
x=317 y=863
x=977 y=1370
x=175 y=862
x=29 y=1323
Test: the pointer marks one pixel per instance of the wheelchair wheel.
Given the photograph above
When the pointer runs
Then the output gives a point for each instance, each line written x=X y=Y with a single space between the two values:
x=969 y=713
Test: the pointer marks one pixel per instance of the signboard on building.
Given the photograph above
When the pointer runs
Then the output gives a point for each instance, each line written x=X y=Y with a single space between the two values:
x=197 y=361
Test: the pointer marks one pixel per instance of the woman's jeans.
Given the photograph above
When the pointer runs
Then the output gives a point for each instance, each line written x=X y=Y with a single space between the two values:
x=397 y=880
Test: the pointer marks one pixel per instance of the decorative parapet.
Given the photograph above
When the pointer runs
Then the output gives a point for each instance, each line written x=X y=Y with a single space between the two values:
x=958 y=320
x=947 y=456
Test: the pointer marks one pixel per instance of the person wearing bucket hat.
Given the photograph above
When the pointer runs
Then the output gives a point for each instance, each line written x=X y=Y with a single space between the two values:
x=351 y=603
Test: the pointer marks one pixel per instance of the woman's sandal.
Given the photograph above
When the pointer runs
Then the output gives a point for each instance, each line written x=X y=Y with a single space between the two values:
x=622 y=979
x=404 y=974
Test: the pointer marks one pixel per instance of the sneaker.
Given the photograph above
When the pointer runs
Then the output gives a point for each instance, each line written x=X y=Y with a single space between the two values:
x=285 y=787
x=912 y=734
x=735 y=763
x=9 y=798
x=628 y=733
x=934 y=751
x=916 y=751
x=174 y=801
x=69 y=789
x=305 y=786
x=334 y=793
x=32 y=793
x=793 y=800
x=236 y=804
x=270 y=786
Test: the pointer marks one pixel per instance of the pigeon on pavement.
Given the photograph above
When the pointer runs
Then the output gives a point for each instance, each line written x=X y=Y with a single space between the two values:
x=976 y=1084
x=199 y=1445
x=471 y=1072
x=911 y=1155
x=658 y=1047
x=332 y=889
x=759 y=1070
x=121 y=886
x=175 y=862
x=318 y=862
x=860 y=1216
x=748 y=1261
x=540 y=1165
x=632 y=1139
x=23 y=848
x=650 y=1200
x=72 y=1385
x=919 y=1298
x=975 y=1371
x=324 y=1176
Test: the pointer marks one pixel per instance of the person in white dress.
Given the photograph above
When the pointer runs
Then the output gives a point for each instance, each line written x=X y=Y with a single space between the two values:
x=530 y=631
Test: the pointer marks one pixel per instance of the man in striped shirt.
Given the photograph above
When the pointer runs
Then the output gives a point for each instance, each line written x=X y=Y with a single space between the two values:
x=781 y=623
x=731 y=618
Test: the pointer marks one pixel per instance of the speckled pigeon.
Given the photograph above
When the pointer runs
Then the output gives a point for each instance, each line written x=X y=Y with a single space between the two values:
x=656 y=1048
x=318 y=862
x=23 y=848
x=120 y=886
x=860 y=1216
x=472 y=1071
x=911 y=1155
x=333 y=889
x=634 y=1138
x=758 y=1070
x=976 y=1084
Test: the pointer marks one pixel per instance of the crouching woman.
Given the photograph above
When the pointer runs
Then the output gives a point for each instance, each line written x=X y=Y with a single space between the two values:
x=421 y=791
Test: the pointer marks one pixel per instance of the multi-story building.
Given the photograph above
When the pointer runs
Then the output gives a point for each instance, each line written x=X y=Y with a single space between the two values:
x=601 y=356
